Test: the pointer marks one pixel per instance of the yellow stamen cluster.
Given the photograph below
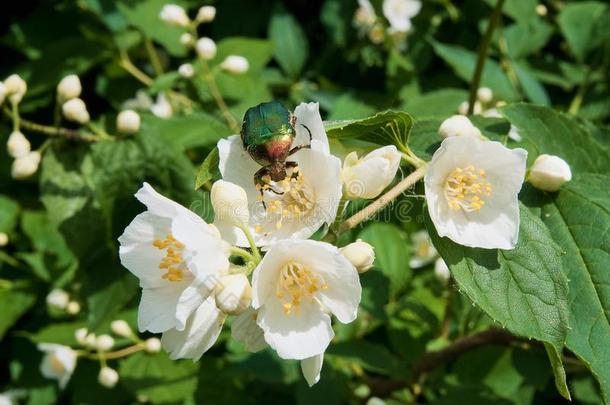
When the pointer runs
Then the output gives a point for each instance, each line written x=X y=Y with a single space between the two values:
x=173 y=260
x=297 y=282
x=464 y=188
x=294 y=202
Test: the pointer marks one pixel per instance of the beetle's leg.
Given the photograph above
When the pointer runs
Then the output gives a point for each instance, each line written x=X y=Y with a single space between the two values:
x=293 y=165
x=259 y=183
x=298 y=148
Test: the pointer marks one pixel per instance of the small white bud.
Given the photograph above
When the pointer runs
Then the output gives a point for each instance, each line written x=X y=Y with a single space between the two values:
x=2 y=92
x=206 y=14
x=514 y=134
x=104 y=343
x=549 y=172
x=541 y=10
x=18 y=145
x=458 y=125
x=360 y=254
x=68 y=88
x=233 y=293
x=485 y=95
x=81 y=336
x=58 y=298
x=152 y=345
x=15 y=88
x=368 y=176
x=121 y=328
x=441 y=271
x=230 y=203
x=162 y=108
x=187 y=39
x=91 y=341
x=235 y=64
x=205 y=48
x=25 y=166
x=75 y=110
x=186 y=70
x=173 y=14
x=73 y=308
x=463 y=108
x=128 y=122
x=108 y=377
x=3 y=239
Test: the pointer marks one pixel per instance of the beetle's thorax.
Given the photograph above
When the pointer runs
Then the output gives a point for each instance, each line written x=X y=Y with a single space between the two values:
x=277 y=171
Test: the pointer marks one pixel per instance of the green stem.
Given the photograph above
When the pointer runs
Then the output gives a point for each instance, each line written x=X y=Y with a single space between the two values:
x=579 y=96
x=255 y=252
x=208 y=77
x=235 y=251
x=5 y=284
x=56 y=132
x=153 y=56
x=15 y=117
x=482 y=54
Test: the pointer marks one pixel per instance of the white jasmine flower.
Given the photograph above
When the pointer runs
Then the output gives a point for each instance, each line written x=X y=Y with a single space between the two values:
x=463 y=108
x=365 y=14
x=58 y=298
x=233 y=294
x=400 y=12
x=368 y=176
x=311 y=368
x=423 y=250
x=152 y=345
x=121 y=328
x=295 y=287
x=549 y=173
x=58 y=362
x=15 y=88
x=18 y=145
x=360 y=254
x=69 y=87
x=162 y=107
x=310 y=198
x=186 y=70
x=3 y=239
x=471 y=191
x=73 y=308
x=205 y=48
x=128 y=122
x=25 y=166
x=230 y=203
x=173 y=14
x=80 y=335
x=177 y=257
x=485 y=95
x=245 y=329
x=458 y=125
x=187 y=39
x=206 y=14
x=108 y=377
x=235 y=64
x=76 y=110
x=441 y=271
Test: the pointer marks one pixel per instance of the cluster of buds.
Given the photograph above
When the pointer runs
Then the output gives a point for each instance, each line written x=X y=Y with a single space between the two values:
x=398 y=14
x=73 y=107
x=484 y=102
x=59 y=299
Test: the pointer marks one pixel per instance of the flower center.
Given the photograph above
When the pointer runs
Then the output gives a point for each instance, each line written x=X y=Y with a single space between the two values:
x=173 y=261
x=295 y=283
x=464 y=188
x=56 y=364
x=288 y=199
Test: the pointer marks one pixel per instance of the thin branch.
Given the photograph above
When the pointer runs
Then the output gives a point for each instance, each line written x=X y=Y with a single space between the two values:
x=55 y=132
x=209 y=79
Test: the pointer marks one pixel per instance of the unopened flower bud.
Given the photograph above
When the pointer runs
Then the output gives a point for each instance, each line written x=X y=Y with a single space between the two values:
x=206 y=14
x=187 y=39
x=18 y=145
x=173 y=14
x=121 y=328
x=3 y=239
x=205 y=48
x=458 y=125
x=76 y=110
x=68 y=88
x=73 y=308
x=368 y=176
x=549 y=172
x=104 y=343
x=463 y=108
x=128 y=122
x=233 y=294
x=108 y=377
x=441 y=271
x=235 y=64
x=58 y=298
x=2 y=92
x=91 y=341
x=81 y=336
x=541 y=10
x=15 y=88
x=360 y=254
x=152 y=345
x=485 y=95
x=230 y=203
x=25 y=166
x=186 y=70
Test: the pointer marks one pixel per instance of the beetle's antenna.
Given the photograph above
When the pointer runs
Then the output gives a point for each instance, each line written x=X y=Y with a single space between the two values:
x=310 y=137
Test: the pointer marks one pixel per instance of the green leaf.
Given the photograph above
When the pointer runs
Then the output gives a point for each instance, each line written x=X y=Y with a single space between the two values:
x=289 y=41
x=392 y=255
x=523 y=289
x=389 y=127
x=532 y=88
x=208 y=169
x=15 y=301
x=545 y=130
x=577 y=22
x=9 y=214
x=436 y=103
x=578 y=217
x=257 y=51
x=523 y=39
x=463 y=63
x=558 y=371
x=186 y=132
x=371 y=356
